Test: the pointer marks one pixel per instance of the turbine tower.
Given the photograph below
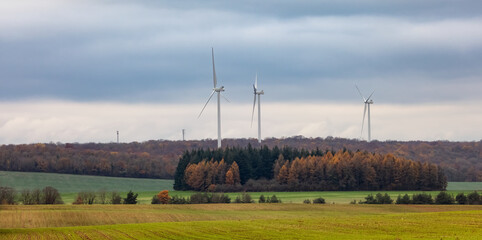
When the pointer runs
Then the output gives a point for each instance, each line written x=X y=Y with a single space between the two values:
x=216 y=90
x=368 y=101
x=257 y=93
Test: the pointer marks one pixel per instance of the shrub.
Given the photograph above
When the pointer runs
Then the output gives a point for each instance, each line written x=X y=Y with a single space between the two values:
x=102 y=197
x=78 y=200
x=220 y=198
x=353 y=202
x=422 y=198
x=178 y=200
x=444 y=198
x=378 y=199
x=319 y=200
x=85 y=198
x=383 y=199
x=262 y=199
x=461 y=198
x=131 y=198
x=474 y=198
x=370 y=199
x=115 y=198
x=199 y=198
x=7 y=195
x=26 y=197
x=403 y=200
x=36 y=196
x=155 y=200
x=307 y=201
x=273 y=199
x=51 y=196
x=244 y=198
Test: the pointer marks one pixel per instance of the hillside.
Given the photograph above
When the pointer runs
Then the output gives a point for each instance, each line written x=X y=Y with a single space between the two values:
x=461 y=161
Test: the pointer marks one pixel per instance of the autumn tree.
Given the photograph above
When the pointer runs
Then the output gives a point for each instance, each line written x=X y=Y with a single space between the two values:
x=283 y=175
x=232 y=175
x=229 y=177
x=163 y=197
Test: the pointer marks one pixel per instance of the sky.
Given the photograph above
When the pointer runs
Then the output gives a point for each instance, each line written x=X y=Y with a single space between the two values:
x=79 y=70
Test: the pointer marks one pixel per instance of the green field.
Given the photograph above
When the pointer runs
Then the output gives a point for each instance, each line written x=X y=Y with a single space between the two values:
x=69 y=185
x=241 y=221
x=227 y=221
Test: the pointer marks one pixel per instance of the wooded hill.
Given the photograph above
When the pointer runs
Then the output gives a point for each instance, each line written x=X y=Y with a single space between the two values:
x=461 y=161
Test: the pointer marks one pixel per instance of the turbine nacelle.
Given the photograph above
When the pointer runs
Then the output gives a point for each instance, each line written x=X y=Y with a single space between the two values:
x=221 y=89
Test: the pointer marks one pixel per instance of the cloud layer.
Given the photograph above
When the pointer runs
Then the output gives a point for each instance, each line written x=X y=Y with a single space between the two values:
x=54 y=121
x=80 y=70
x=150 y=51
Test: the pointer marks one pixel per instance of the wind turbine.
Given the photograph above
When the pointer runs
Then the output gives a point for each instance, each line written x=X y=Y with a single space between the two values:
x=216 y=90
x=367 y=102
x=258 y=93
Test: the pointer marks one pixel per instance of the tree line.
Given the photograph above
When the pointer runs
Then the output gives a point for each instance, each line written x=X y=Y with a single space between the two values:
x=289 y=169
x=47 y=195
x=55 y=158
x=443 y=197
x=461 y=161
x=206 y=198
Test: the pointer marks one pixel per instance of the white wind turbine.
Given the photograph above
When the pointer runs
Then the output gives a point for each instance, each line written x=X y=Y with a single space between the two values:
x=367 y=102
x=258 y=93
x=218 y=90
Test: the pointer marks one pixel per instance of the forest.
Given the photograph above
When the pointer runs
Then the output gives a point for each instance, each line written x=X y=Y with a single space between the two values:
x=289 y=169
x=461 y=161
x=53 y=158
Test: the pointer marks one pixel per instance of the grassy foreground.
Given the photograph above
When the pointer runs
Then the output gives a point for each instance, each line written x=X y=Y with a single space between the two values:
x=238 y=221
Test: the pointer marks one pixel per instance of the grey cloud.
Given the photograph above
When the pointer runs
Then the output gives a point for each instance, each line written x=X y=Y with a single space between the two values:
x=147 y=50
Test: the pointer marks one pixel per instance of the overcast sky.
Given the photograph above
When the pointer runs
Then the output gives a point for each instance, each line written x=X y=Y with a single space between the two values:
x=77 y=71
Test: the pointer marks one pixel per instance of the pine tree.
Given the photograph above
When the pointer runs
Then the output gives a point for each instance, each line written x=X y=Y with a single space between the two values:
x=131 y=198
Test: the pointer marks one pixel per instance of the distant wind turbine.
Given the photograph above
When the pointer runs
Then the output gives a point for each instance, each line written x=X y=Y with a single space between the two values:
x=258 y=93
x=367 y=102
x=218 y=90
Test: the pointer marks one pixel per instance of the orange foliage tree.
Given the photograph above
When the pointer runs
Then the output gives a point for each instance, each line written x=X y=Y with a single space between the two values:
x=163 y=196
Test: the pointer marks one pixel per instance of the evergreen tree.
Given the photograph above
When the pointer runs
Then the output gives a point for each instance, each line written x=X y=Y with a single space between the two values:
x=131 y=198
x=444 y=198
x=261 y=199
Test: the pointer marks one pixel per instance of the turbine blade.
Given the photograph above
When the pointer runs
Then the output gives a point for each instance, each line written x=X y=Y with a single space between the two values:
x=206 y=103
x=225 y=98
x=254 y=88
x=370 y=95
x=256 y=82
x=215 y=80
x=254 y=105
x=363 y=121
x=360 y=93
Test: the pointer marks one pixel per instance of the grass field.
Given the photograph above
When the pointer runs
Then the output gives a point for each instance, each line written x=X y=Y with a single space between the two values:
x=227 y=221
x=241 y=221
x=69 y=185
